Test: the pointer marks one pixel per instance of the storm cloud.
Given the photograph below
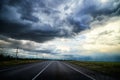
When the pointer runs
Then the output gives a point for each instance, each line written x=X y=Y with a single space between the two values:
x=41 y=21
x=27 y=22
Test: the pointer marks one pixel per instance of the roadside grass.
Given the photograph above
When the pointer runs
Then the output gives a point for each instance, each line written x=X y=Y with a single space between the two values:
x=109 y=68
x=8 y=61
x=16 y=62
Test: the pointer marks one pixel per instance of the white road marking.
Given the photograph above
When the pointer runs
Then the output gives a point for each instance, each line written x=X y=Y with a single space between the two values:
x=80 y=72
x=41 y=71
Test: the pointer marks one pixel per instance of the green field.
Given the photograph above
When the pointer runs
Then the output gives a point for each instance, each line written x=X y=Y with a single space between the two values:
x=109 y=68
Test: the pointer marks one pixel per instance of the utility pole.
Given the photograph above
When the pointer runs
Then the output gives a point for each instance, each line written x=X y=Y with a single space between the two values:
x=16 y=53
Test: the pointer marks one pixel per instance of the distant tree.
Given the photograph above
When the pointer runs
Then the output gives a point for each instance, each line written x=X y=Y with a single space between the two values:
x=4 y=57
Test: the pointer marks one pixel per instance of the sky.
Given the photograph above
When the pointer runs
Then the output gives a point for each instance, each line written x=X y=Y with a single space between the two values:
x=61 y=29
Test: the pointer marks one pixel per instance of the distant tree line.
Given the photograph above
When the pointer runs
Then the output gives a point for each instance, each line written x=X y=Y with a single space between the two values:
x=6 y=58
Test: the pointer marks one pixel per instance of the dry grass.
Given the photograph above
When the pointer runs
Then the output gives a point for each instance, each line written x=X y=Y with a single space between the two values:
x=110 y=68
x=16 y=62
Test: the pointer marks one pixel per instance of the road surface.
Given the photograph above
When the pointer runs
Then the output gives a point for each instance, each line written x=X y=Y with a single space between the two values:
x=48 y=70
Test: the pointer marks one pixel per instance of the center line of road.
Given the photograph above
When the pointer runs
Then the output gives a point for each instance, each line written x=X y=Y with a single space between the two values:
x=41 y=72
x=80 y=71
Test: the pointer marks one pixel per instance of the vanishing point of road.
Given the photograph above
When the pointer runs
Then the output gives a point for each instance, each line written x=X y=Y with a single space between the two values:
x=47 y=70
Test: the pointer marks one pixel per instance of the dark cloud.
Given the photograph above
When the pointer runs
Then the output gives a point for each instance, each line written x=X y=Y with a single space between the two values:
x=77 y=25
x=45 y=51
x=11 y=43
x=36 y=35
x=40 y=20
x=97 y=8
x=104 y=8
x=27 y=24
x=11 y=28
x=30 y=18
x=18 y=27
x=27 y=46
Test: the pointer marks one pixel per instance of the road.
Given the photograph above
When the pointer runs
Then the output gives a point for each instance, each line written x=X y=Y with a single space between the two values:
x=47 y=70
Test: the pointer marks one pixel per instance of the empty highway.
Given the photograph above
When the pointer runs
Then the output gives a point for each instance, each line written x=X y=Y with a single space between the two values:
x=47 y=70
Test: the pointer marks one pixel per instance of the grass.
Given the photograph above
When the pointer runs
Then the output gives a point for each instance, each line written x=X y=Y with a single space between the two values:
x=7 y=61
x=16 y=62
x=109 y=68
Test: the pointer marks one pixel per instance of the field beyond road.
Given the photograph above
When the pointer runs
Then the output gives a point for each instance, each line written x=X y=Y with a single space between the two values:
x=16 y=62
x=109 y=68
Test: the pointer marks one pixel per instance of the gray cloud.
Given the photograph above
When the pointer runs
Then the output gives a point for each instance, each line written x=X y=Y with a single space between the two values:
x=41 y=21
x=26 y=46
x=44 y=20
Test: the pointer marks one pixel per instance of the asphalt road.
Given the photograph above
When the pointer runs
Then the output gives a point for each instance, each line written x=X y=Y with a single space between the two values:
x=48 y=70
